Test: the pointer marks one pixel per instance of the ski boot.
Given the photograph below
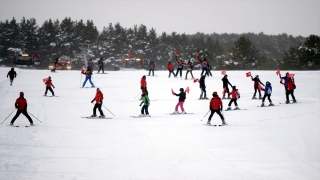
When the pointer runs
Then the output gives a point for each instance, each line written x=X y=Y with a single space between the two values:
x=271 y=104
x=102 y=116
x=223 y=97
x=294 y=101
x=148 y=115
x=11 y=124
x=287 y=102
x=31 y=124
x=175 y=112
x=229 y=108
x=93 y=115
x=262 y=104
x=237 y=108
x=209 y=122
x=223 y=122
x=183 y=112
x=254 y=97
x=260 y=97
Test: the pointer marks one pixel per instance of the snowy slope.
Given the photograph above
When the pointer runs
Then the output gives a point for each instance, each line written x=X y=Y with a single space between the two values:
x=281 y=142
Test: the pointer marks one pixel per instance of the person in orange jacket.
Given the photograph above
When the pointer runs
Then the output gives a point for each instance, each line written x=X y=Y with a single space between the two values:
x=98 y=98
x=234 y=96
x=21 y=105
x=48 y=86
x=170 y=68
x=216 y=106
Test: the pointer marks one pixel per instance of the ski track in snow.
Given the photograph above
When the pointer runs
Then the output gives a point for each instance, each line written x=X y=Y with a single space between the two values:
x=281 y=142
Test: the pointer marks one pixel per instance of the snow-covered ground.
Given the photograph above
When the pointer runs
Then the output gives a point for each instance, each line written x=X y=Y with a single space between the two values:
x=281 y=142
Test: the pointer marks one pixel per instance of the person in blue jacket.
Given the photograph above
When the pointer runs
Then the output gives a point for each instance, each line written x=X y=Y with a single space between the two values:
x=267 y=93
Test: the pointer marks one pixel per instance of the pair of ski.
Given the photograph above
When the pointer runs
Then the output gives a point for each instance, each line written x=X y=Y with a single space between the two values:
x=19 y=126
x=178 y=113
x=234 y=109
x=215 y=124
x=51 y=96
x=140 y=116
x=97 y=117
x=287 y=103
x=267 y=106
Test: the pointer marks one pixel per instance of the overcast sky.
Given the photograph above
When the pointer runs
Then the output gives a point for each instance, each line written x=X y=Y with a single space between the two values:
x=272 y=17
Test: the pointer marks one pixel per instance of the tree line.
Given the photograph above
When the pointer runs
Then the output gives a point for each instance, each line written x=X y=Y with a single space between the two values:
x=224 y=51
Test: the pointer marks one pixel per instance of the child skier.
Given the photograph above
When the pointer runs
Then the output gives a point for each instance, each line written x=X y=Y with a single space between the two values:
x=216 y=106
x=98 y=98
x=21 y=105
x=190 y=68
x=234 y=96
x=182 y=98
x=48 y=86
x=225 y=82
x=12 y=74
x=267 y=93
x=203 y=87
x=146 y=103
x=170 y=68
x=88 y=74
x=256 y=85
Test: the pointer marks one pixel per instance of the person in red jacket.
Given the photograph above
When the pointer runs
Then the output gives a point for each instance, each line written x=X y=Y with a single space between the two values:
x=48 y=86
x=290 y=90
x=21 y=105
x=170 y=68
x=234 y=96
x=98 y=98
x=216 y=107
x=143 y=85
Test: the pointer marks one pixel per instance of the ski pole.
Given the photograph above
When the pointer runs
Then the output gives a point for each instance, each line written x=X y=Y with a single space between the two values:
x=137 y=95
x=205 y=115
x=8 y=116
x=109 y=111
x=35 y=117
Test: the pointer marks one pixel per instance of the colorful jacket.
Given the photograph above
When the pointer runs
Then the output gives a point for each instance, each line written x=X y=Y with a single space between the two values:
x=291 y=84
x=234 y=94
x=256 y=81
x=143 y=83
x=49 y=83
x=21 y=103
x=99 y=97
x=170 y=66
x=216 y=103
x=145 y=100
x=268 y=89
x=182 y=96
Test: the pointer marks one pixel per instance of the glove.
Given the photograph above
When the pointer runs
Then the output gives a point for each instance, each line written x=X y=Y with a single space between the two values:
x=141 y=103
x=101 y=102
x=16 y=106
x=239 y=97
x=92 y=101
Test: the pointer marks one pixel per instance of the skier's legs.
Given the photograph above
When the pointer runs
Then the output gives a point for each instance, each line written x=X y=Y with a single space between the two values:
x=149 y=72
x=27 y=115
x=211 y=114
x=191 y=74
x=235 y=102
x=187 y=74
x=95 y=109
x=91 y=81
x=85 y=81
x=230 y=102
x=177 y=105
x=100 y=110
x=201 y=92
x=45 y=93
x=264 y=97
x=181 y=105
x=146 y=109
x=292 y=95
x=11 y=80
x=202 y=71
x=180 y=72
x=219 y=113
x=269 y=95
x=50 y=89
x=177 y=72
x=287 y=96
x=16 y=116
x=255 y=91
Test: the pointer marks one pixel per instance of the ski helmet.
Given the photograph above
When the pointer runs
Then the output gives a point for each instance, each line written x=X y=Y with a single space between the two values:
x=21 y=93
x=234 y=87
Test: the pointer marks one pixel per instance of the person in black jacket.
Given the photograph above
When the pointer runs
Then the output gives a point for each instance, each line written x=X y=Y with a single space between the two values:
x=12 y=74
x=225 y=86
x=203 y=87
x=257 y=82
x=182 y=98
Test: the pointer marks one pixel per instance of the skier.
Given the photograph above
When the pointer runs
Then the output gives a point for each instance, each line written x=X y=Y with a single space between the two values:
x=55 y=64
x=12 y=74
x=101 y=66
x=204 y=68
x=203 y=87
x=182 y=98
x=146 y=103
x=48 y=86
x=267 y=93
x=21 y=105
x=88 y=74
x=143 y=85
x=179 y=67
x=190 y=68
x=216 y=106
x=256 y=85
x=225 y=86
x=151 y=67
x=209 y=69
x=291 y=87
x=90 y=64
x=98 y=98
x=234 y=96
x=285 y=79
x=170 y=68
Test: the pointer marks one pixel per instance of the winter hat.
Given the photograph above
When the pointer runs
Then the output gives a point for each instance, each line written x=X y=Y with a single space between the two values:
x=21 y=93
x=143 y=76
x=257 y=75
x=181 y=89
x=267 y=82
x=215 y=93
x=49 y=77
x=233 y=87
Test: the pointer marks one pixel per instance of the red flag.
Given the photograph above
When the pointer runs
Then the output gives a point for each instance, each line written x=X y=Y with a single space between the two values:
x=187 y=90
x=278 y=72
x=223 y=72
x=177 y=52
x=248 y=74
x=45 y=80
x=291 y=75
x=172 y=92
x=197 y=54
x=196 y=80
x=260 y=87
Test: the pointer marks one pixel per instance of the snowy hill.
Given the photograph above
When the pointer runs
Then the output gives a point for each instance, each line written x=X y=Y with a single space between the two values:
x=280 y=142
